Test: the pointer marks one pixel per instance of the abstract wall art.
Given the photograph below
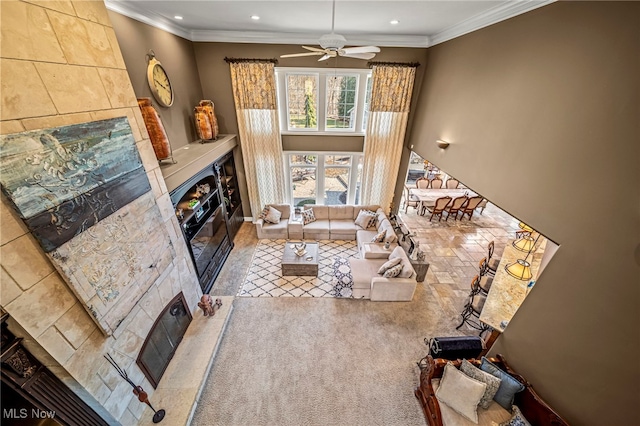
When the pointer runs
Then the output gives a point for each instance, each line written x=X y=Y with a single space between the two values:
x=84 y=194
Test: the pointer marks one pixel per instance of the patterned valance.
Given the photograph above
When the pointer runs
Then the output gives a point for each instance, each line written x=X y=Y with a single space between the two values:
x=392 y=88
x=254 y=85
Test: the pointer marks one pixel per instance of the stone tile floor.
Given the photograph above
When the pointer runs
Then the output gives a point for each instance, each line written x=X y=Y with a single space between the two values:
x=454 y=249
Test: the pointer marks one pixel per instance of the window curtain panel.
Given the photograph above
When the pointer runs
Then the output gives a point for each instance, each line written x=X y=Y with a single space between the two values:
x=391 y=91
x=254 y=93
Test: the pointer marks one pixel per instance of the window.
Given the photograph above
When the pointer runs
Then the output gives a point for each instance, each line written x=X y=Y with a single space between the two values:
x=302 y=101
x=323 y=100
x=328 y=179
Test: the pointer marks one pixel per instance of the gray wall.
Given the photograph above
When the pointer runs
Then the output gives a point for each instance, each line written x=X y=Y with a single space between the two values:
x=542 y=114
x=178 y=59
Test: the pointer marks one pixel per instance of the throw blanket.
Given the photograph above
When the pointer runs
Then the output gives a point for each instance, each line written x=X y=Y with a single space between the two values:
x=342 y=278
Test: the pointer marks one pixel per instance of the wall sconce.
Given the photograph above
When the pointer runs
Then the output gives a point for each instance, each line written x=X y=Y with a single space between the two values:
x=442 y=144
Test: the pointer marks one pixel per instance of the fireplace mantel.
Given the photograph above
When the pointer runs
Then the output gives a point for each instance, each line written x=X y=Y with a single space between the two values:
x=192 y=158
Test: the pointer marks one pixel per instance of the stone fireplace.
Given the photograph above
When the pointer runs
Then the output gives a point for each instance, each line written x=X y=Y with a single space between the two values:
x=61 y=65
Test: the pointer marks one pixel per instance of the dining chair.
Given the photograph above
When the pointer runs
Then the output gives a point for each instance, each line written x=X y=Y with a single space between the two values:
x=452 y=183
x=492 y=264
x=410 y=200
x=422 y=183
x=482 y=205
x=436 y=183
x=470 y=206
x=454 y=207
x=438 y=208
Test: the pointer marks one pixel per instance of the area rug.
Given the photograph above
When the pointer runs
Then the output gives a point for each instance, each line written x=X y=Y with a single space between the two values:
x=264 y=277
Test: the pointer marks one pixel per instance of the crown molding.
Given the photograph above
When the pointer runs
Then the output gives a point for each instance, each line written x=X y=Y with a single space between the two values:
x=296 y=38
x=146 y=17
x=490 y=17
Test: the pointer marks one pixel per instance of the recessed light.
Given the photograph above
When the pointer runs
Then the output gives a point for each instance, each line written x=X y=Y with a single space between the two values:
x=178 y=17
x=394 y=22
x=255 y=17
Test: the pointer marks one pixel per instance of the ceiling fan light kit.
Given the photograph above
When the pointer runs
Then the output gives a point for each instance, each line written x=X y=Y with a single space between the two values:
x=333 y=45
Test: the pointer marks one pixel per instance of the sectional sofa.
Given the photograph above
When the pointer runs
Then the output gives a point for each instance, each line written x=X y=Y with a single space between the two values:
x=339 y=223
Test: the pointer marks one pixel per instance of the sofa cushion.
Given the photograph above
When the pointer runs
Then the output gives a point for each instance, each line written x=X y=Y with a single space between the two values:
x=517 y=419
x=320 y=212
x=509 y=386
x=343 y=226
x=284 y=209
x=381 y=219
x=390 y=235
x=316 y=226
x=493 y=383
x=275 y=229
x=362 y=270
x=491 y=416
x=393 y=272
x=388 y=265
x=407 y=268
x=341 y=213
x=460 y=392
x=273 y=215
x=308 y=216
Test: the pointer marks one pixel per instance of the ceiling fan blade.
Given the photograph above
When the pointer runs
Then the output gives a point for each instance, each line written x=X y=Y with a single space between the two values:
x=313 y=49
x=359 y=55
x=325 y=57
x=295 y=55
x=360 y=49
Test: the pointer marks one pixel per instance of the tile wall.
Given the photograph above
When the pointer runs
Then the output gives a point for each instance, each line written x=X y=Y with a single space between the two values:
x=60 y=64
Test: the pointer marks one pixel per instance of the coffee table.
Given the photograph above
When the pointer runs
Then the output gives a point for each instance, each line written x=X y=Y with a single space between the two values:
x=293 y=264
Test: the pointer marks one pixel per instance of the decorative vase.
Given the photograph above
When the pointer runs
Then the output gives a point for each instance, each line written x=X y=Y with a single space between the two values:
x=203 y=125
x=157 y=134
x=209 y=110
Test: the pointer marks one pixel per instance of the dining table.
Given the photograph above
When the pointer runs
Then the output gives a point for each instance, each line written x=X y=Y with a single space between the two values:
x=428 y=196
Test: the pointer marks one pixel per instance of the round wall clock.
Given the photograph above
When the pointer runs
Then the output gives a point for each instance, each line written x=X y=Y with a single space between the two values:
x=159 y=82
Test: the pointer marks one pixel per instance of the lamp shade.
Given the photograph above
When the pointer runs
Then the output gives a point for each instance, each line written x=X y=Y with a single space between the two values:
x=526 y=243
x=520 y=269
x=525 y=227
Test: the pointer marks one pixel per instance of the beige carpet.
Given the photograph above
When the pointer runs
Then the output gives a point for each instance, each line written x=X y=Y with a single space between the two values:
x=304 y=361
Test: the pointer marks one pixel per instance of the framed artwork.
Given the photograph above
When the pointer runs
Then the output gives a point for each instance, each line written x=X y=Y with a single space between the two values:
x=84 y=194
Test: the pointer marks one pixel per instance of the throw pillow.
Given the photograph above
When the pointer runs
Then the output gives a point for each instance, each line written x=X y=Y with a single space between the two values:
x=264 y=212
x=460 y=392
x=372 y=218
x=393 y=272
x=364 y=219
x=517 y=419
x=389 y=264
x=509 y=386
x=273 y=216
x=492 y=382
x=308 y=216
x=379 y=237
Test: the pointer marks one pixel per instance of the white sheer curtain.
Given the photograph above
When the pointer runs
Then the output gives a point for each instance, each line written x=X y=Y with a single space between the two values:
x=386 y=126
x=254 y=93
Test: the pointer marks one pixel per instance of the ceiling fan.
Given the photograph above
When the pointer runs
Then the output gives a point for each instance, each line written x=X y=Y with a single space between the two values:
x=333 y=45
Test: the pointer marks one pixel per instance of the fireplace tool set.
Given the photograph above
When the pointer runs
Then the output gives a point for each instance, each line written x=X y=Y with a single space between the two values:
x=137 y=390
